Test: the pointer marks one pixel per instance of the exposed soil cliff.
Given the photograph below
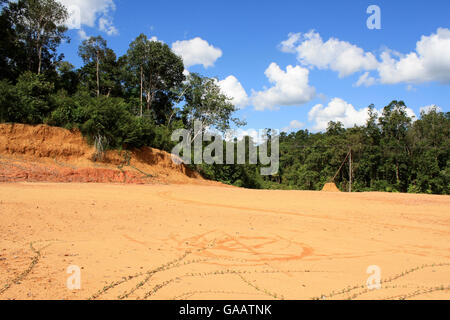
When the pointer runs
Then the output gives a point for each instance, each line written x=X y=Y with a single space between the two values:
x=49 y=154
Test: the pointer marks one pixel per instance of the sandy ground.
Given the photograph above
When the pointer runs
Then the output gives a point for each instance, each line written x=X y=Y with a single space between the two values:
x=212 y=242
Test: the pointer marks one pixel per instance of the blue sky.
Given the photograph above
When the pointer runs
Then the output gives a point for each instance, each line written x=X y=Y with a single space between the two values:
x=408 y=59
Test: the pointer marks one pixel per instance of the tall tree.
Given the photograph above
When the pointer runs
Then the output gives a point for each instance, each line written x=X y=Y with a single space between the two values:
x=138 y=55
x=394 y=124
x=40 y=23
x=207 y=104
x=157 y=73
x=14 y=59
x=430 y=140
x=67 y=77
x=162 y=72
x=93 y=50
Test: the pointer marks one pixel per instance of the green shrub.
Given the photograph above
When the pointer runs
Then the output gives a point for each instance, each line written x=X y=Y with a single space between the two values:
x=33 y=93
x=413 y=188
x=8 y=102
x=110 y=118
x=138 y=133
x=63 y=114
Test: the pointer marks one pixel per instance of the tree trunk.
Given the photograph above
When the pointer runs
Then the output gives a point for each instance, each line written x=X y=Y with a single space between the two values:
x=40 y=59
x=397 y=171
x=39 y=45
x=350 y=172
x=142 y=89
x=149 y=100
x=39 y=52
x=98 y=75
x=149 y=94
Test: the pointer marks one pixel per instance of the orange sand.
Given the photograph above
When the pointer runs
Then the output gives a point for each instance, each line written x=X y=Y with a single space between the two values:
x=330 y=187
x=212 y=242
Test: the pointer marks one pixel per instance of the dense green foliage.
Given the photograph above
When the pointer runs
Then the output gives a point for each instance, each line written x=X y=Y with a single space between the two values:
x=392 y=153
x=140 y=98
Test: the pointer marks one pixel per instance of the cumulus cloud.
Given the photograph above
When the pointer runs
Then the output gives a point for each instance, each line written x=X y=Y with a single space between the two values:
x=155 y=39
x=365 y=80
x=197 y=52
x=288 y=45
x=91 y=13
x=428 y=109
x=82 y=34
x=107 y=26
x=337 y=110
x=231 y=87
x=293 y=125
x=342 y=111
x=340 y=56
x=429 y=62
x=290 y=87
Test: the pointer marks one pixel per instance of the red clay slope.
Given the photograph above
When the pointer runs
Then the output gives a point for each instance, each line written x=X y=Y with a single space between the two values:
x=49 y=154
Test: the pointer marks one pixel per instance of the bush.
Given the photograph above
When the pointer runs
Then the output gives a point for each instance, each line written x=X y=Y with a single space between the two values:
x=110 y=118
x=33 y=93
x=63 y=114
x=413 y=188
x=8 y=101
x=238 y=183
x=381 y=185
x=139 y=132
x=107 y=118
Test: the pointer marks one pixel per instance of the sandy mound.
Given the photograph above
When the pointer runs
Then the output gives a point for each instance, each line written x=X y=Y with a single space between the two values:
x=50 y=154
x=330 y=187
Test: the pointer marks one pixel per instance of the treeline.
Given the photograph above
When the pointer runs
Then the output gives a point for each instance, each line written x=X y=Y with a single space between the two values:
x=391 y=153
x=140 y=98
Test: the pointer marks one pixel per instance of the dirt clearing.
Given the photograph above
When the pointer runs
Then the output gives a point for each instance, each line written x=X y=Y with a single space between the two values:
x=212 y=242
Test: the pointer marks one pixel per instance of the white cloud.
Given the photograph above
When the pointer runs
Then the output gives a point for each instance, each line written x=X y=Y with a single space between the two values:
x=186 y=73
x=337 y=110
x=288 y=45
x=410 y=113
x=88 y=12
x=365 y=80
x=293 y=125
x=429 y=62
x=82 y=34
x=410 y=88
x=340 y=56
x=428 y=109
x=231 y=87
x=107 y=26
x=196 y=51
x=155 y=39
x=291 y=87
x=258 y=136
x=342 y=111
